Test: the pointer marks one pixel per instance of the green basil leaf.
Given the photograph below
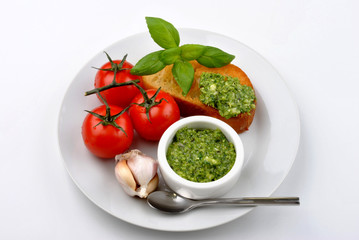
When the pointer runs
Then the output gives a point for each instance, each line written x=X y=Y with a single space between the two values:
x=192 y=51
x=163 y=32
x=169 y=56
x=149 y=64
x=213 y=57
x=183 y=72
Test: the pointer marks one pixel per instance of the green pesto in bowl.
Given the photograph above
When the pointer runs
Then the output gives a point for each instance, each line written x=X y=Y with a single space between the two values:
x=201 y=155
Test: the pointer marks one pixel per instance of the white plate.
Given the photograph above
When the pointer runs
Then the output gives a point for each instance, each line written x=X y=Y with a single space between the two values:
x=270 y=144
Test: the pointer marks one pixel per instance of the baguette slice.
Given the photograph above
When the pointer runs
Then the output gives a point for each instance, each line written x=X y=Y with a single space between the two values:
x=190 y=104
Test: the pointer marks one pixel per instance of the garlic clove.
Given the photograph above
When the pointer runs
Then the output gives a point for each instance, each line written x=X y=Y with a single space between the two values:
x=144 y=190
x=143 y=168
x=137 y=173
x=125 y=178
x=152 y=185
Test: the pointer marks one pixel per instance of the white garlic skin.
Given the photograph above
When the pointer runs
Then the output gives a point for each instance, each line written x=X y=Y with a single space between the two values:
x=137 y=173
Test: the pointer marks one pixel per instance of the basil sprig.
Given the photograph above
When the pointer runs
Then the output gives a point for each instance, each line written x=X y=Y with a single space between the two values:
x=167 y=37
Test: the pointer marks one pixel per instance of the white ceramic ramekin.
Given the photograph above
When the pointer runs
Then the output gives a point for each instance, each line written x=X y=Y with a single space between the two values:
x=195 y=190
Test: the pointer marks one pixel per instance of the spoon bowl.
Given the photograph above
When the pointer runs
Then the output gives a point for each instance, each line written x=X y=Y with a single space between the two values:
x=172 y=203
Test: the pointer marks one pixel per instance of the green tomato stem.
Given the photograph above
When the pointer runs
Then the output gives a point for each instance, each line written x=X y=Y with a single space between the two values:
x=111 y=85
x=108 y=119
x=114 y=68
x=148 y=103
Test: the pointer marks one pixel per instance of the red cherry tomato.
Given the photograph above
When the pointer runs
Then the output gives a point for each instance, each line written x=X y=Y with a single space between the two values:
x=161 y=116
x=106 y=141
x=120 y=96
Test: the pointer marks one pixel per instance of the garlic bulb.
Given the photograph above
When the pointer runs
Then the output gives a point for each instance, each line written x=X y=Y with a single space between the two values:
x=137 y=173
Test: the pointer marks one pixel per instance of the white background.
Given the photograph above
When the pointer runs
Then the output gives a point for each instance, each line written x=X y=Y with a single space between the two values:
x=314 y=44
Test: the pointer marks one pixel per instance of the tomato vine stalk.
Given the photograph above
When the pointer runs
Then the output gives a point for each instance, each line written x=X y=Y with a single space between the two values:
x=148 y=102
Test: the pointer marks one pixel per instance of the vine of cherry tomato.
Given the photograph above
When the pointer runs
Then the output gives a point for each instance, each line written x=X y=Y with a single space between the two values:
x=108 y=130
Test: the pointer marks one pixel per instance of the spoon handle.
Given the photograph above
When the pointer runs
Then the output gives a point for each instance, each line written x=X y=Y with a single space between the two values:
x=253 y=201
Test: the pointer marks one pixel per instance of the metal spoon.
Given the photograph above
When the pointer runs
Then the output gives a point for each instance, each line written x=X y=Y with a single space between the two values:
x=173 y=203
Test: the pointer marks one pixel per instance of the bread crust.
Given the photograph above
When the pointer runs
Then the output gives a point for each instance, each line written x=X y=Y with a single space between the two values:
x=190 y=104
